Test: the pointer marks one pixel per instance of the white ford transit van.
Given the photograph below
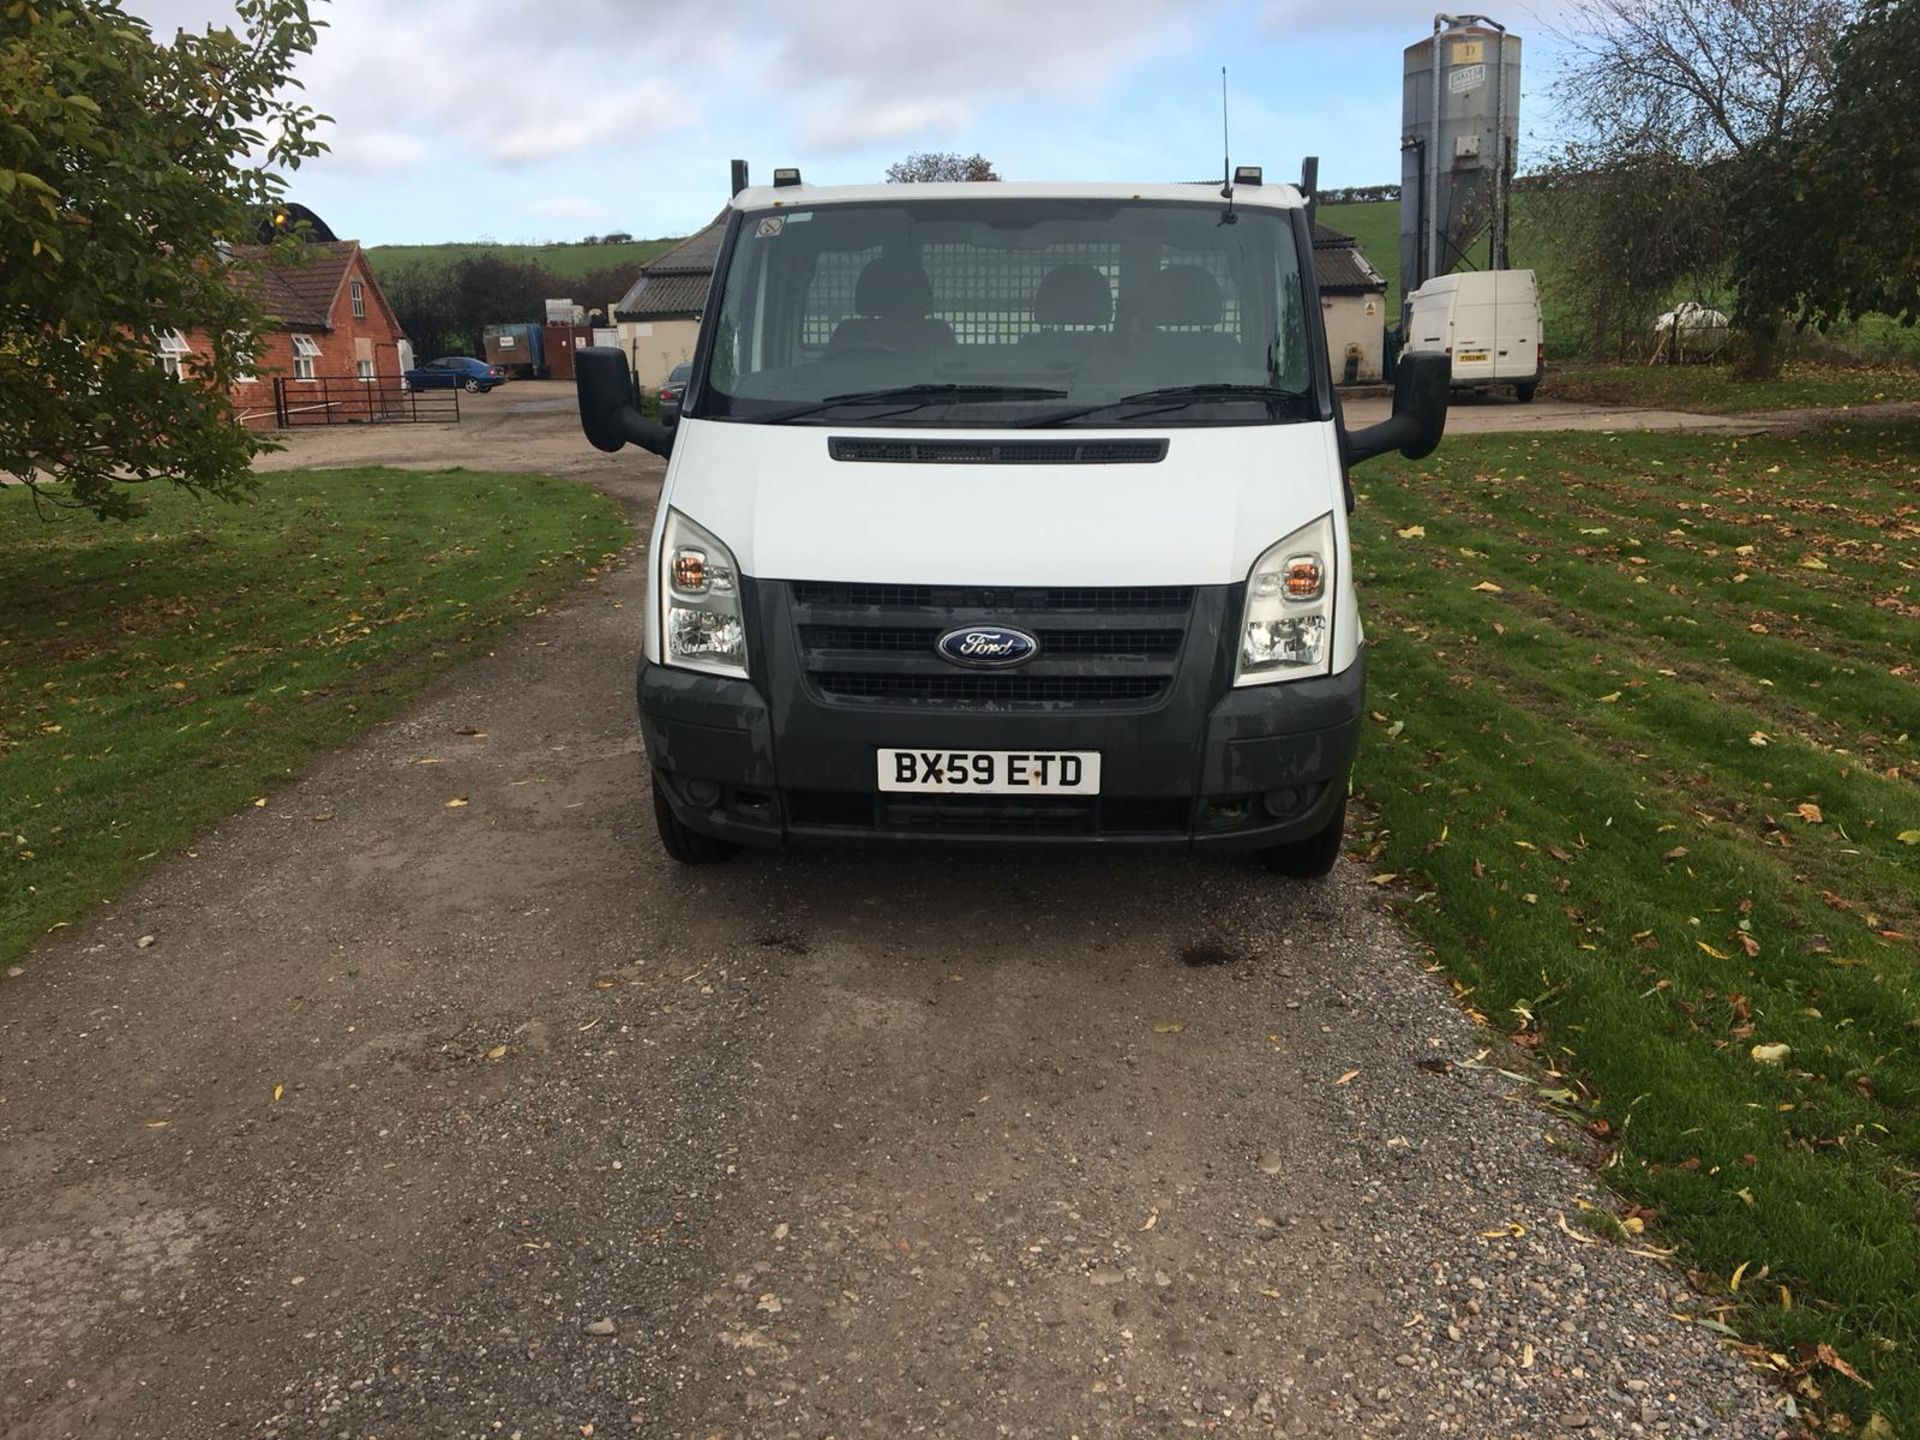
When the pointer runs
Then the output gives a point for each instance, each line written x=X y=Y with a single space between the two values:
x=1007 y=513
x=1487 y=322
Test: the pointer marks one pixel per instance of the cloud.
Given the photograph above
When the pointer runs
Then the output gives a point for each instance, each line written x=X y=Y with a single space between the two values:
x=888 y=71
x=567 y=207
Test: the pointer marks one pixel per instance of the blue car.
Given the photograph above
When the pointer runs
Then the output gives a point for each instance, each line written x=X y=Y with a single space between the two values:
x=476 y=377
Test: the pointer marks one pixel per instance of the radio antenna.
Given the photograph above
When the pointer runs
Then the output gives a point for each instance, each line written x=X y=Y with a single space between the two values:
x=1226 y=154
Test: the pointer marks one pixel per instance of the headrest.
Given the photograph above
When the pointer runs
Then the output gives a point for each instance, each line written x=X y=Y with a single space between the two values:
x=893 y=287
x=1184 y=295
x=1073 y=295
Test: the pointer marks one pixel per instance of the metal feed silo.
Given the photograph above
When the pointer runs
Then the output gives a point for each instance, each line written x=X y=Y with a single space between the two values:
x=1460 y=127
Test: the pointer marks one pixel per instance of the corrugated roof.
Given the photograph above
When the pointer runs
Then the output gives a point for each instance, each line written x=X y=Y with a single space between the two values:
x=1343 y=270
x=298 y=296
x=673 y=285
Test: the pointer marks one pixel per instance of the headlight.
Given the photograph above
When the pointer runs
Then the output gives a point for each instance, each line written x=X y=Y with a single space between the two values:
x=1289 y=611
x=701 y=627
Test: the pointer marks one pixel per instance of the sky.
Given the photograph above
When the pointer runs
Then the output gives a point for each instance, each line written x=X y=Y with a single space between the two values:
x=531 y=120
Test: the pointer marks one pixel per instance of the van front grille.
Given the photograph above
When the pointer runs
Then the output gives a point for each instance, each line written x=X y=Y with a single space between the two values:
x=1112 y=646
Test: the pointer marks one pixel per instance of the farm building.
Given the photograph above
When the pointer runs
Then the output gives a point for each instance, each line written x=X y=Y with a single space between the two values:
x=659 y=318
x=1353 y=298
x=329 y=321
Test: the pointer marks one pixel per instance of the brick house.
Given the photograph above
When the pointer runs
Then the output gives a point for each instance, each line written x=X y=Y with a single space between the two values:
x=328 y=321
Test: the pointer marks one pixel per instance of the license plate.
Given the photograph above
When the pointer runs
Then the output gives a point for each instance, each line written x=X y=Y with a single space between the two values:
x=1473 y=357
x=990 y=772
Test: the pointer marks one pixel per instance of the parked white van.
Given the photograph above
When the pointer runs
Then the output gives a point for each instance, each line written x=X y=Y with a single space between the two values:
x=1007 y=513
x=1487 y=322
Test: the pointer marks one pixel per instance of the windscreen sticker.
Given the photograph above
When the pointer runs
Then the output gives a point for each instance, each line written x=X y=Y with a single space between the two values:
x=771 y=226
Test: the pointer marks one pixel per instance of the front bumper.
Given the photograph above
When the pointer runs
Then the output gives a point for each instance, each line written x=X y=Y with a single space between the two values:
x=1260 y=766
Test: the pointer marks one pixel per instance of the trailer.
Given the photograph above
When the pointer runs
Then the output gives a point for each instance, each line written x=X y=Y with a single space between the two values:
x=520 y=350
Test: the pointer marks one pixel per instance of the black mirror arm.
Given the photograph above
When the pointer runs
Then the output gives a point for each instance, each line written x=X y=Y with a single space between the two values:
x=627 y=426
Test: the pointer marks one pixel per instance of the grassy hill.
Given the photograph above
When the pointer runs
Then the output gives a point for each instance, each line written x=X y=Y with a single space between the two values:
x=563 y=260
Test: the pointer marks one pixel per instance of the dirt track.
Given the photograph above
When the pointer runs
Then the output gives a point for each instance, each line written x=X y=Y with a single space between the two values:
x=486 y=1121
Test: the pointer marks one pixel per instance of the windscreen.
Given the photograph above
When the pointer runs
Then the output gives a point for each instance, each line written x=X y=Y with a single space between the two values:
x=1011 y=312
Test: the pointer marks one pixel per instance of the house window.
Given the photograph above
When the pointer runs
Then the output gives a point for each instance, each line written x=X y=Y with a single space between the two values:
x=305 y=352
x=359 y=295
x=171 y=346
x=363 y=370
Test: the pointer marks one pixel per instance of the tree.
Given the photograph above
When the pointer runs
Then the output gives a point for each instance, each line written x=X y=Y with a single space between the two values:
x=933 y=165
x=1628 y=236
x=1720 y=85
x=127 y=167
x=1836 y=233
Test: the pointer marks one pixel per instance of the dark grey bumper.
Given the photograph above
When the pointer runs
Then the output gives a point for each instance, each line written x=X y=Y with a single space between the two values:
x=1259 y=766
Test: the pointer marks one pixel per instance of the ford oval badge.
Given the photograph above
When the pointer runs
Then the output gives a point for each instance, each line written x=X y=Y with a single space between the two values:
x=990 y=647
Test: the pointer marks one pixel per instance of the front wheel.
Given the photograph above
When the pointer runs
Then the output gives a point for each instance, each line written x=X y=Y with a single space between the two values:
x=683 y=843
x=1312 y=858
x=1524 y=393
x=473 y=387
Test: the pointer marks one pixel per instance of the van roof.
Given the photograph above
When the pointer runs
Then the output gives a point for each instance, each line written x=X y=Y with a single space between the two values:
x=1471 y=279
x=1262 y=197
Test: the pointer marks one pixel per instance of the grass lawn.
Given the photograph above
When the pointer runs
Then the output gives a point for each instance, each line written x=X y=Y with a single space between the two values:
x=157 y=675
x=1646 y=766
x=1712 y=388
x=564 y=260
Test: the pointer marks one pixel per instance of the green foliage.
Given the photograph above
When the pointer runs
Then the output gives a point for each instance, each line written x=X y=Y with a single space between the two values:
x=155 y=678
x=565 y=262
x=926 y=166
x=1644 y=756
x=125 y=166
x=1829 y=230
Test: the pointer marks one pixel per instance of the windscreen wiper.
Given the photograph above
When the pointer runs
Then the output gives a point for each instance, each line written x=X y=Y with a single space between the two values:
x=915 y=397
x=1175 y=397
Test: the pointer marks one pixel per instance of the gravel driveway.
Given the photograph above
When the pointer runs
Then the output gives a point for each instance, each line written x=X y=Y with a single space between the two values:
x=423 y=1120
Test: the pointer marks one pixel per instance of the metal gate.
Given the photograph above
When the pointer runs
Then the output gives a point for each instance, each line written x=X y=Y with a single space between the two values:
x=360 y=402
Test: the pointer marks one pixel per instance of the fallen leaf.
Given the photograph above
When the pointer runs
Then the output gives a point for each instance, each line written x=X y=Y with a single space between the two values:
x=1385 y=877
x=496 y=1052
x=1675 y=853
x=1758 y=737
x=145 y=942
x=260 y=801
x=1489 y=587
x=1610 y=699
x=1346 y=1078
x=1740 y=1270
x=1828 y=1356
x=1771 y=1054
x=1153 y=1219
x=456 y=802
x=1908 y=837
x=158 y=1124
x=1812 y=562
x=1412 y=532
x=1808 y=812
x=1749 y=944
x=770 y=1303
x=278 y=1091
x=1169 y=1027
x=1717 y=954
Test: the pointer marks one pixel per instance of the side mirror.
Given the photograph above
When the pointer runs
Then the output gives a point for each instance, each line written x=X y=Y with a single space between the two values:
x=1421 y=386
x=608 y=412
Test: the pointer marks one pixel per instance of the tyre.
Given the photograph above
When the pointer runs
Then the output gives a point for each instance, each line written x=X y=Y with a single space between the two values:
x=1524 y=393
x=1312 y=858
x=473 y=387
x=683 y=843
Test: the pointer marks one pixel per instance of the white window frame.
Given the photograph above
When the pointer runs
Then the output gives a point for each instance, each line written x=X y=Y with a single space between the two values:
x=170 y=345
x=363 y=371
x=358 y=294
x=305 y=351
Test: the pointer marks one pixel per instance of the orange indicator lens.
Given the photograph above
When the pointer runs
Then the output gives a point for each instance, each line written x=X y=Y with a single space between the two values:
x=690 y=570
x=1303 y=577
